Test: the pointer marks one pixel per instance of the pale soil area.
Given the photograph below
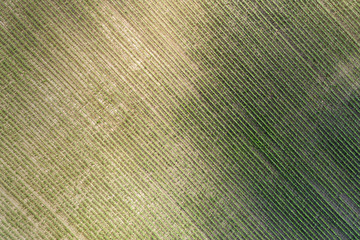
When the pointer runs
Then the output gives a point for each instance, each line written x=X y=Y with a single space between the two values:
x=89 y=126
x=345 y=12
x=170 y=119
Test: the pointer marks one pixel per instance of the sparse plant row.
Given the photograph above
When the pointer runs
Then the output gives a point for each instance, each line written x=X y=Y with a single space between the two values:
x=18 y=173
x=44 y=145
x=5 y=233
x=33 y=116
x=36 y=210
x=275 y=48
x=11 y=214
x=50 y=180
x=345 y=14
x=11 y=158
x=323 y=28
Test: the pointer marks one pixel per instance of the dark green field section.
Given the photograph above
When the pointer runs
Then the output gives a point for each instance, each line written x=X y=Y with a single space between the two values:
x=180 y=119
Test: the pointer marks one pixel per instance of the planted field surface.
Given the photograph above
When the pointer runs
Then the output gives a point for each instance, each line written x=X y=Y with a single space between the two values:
x=179 y=120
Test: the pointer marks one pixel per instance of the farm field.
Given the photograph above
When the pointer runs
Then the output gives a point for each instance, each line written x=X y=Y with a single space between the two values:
x=179 y=119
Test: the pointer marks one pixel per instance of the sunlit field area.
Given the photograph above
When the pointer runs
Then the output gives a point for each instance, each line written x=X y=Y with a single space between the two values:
x=180 y=119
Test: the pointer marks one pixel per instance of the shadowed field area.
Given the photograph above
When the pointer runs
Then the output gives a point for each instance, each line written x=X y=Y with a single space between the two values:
x=179 y=120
